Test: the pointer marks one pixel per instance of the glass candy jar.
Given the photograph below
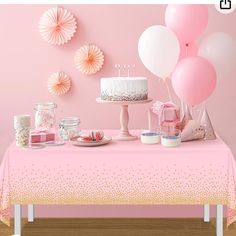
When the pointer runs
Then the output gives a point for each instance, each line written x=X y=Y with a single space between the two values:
x=22 y=128
x=69 y=128
x=45 y=116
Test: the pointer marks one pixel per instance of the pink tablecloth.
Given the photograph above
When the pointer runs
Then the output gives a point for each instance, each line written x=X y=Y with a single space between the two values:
x=201 y=172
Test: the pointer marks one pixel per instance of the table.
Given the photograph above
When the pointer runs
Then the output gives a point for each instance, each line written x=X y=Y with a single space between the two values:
x=200 y=172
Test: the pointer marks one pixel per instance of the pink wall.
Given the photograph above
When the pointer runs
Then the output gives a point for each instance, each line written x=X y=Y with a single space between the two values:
x=26 y=61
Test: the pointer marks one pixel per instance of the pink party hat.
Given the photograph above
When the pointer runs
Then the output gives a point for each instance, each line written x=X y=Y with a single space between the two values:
x=192 y=131
x=206 y=123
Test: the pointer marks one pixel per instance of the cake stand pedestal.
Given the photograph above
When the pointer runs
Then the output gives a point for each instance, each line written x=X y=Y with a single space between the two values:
x=124 y=134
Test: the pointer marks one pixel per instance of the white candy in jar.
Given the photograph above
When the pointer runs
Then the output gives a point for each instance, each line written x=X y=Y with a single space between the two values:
x=22 y=137
x=22 y=128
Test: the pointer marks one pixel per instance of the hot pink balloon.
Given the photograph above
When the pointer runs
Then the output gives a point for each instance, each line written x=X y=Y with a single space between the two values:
x=188 y=21
x=194 y=80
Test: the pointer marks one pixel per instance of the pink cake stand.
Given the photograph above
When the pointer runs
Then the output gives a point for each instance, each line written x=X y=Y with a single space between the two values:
x=124 y=134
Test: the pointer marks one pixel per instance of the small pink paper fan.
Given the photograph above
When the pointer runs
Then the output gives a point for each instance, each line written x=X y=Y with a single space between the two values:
x=59 y=83
x=89 y=59
x=57 y=26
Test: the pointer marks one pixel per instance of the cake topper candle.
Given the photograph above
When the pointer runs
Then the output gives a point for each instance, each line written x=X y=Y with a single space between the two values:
x=117 y=66
x=124 y=67
x=133 y=67
x=128 y=69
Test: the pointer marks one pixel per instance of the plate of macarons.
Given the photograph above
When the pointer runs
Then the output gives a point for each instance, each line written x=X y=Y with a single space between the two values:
x=90 y=139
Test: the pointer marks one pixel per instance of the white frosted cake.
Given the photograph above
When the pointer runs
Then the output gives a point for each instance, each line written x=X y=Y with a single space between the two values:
x=124 y=88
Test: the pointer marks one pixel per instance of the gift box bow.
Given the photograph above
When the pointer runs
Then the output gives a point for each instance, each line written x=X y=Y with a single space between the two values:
x=167 y=111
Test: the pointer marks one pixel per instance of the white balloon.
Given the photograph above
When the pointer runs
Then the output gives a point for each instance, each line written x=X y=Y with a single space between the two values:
x=220 y=49
x=159 y=50
x=225 y=11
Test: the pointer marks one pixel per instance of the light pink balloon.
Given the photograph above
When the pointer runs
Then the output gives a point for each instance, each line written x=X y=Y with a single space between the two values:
x=188 y=50
x=188 y=21
x=194 y=80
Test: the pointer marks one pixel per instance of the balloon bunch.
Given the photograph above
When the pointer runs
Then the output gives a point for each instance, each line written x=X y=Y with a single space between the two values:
x=171 y=51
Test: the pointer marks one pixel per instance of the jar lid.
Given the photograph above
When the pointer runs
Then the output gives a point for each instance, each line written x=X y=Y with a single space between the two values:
x=21 y=121
x=45 y=106
x=70 y=121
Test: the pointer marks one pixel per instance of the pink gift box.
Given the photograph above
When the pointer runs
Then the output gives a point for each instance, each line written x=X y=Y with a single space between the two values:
x=163 y=116
x=39 y=136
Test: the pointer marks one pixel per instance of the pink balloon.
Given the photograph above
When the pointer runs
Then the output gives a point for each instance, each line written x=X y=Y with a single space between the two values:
x=188 y=50
x=194 y=80
x=188 y=21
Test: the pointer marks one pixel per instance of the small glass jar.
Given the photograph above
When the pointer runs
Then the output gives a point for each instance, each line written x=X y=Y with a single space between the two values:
x=22 y=130
x=45 y=116
x=69 y=128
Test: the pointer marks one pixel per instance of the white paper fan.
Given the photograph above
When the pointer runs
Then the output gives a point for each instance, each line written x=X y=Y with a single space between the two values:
x=89 y=59
x=57 y=26
x=59 y=83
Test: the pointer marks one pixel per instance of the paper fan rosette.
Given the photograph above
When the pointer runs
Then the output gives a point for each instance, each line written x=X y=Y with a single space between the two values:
x=89 y=59
x=57 y=26
x=59 y=83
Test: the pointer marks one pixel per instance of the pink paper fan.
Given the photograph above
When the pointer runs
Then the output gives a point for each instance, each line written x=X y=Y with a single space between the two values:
x=57 y=26
x=89 y=59
x=59 y=83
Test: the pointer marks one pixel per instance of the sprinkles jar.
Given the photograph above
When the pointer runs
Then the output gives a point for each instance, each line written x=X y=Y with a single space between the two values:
x=45 y=117
x=69 y=128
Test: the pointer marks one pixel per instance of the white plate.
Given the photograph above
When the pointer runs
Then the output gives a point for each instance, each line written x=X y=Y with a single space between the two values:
x=104 y=141
x=35 y=146
x=55 y=143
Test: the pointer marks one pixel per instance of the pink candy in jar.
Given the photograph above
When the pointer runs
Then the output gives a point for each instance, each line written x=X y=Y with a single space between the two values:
x=45 y=117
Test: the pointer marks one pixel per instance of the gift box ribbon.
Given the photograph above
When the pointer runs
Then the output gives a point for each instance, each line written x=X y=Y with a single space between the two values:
x=42 y=133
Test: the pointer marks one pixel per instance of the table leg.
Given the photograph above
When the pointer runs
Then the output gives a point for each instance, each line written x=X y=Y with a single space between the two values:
x=17 y=219
x=30 y=213
x=219 y=220
x=206 y=213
